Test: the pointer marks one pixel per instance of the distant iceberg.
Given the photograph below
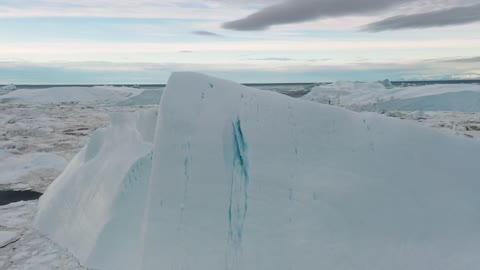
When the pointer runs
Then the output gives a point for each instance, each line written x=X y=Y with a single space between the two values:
x=7 y=88
x=386 y=83
x=146 y=97
x=81 y=95
x=229 y=177
x=382 y=96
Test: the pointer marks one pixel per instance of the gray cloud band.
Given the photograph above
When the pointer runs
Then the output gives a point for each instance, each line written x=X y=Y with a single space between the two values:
x=294 y=11
x=452 y=16
x=206 y=33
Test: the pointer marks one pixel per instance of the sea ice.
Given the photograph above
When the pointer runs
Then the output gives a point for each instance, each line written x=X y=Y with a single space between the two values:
x=29 y=249
x=7 y=237
x=15 y=168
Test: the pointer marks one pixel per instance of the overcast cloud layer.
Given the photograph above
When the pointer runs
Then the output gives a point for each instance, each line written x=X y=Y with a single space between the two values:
x=452 y=16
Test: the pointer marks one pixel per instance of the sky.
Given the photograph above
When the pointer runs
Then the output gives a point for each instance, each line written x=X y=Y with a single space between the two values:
x=263 y=41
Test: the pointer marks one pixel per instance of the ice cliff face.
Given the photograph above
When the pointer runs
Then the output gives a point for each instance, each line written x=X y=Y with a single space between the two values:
x=244 y=179
x=95 y=207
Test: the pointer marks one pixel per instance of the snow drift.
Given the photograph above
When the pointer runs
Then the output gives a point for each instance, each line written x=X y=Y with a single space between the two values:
x=82 y=95
x=375 y=96
x=247 y=179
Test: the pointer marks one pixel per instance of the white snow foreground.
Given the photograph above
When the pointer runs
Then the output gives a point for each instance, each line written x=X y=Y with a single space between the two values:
x=374 y=96
x=248 y=179
x=81 y=95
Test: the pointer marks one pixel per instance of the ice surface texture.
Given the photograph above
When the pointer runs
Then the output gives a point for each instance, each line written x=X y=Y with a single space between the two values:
x=246 y=179
x=7 y=237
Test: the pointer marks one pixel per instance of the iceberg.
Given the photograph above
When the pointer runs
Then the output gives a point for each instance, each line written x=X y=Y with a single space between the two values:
x=146 y=97
x=382 y=96
x=7 y=88
x=228 y=177
x=102 y=193
x=81 y=95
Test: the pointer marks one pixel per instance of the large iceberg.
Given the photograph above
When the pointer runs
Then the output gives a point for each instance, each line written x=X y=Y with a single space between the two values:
x=237 y=178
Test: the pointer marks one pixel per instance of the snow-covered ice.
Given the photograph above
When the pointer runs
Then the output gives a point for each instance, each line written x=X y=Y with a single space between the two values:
x=247 y=179
x=7 y=237
x=29 y=250
x=29 y=133
x=59 y=129
x=80 y=95
x=458 y=123
x=374 y=96
x=14 y=168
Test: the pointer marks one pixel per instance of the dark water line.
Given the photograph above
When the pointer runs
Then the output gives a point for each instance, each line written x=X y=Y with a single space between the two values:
x=11 y=196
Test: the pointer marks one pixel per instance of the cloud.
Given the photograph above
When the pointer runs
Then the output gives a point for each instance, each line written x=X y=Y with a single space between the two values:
x=207 y=33
x=464 y=60
x=448 y=60
x=164 y=9
x=287 y=59
x=274 y=59
x=87 y=50
x=295 y=11
x=444 y=17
